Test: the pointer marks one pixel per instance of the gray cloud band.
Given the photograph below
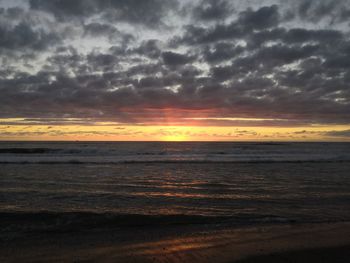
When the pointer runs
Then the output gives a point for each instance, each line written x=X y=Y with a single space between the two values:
x=112 y=59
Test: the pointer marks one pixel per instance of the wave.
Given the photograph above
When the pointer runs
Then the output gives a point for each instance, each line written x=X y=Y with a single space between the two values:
x=44 y=221
x=93 y=153
x=69 y=221
x=114 y=152
x=44 y=151
x=205 y=161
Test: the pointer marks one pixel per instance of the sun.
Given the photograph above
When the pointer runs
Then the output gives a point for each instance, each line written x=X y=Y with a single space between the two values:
x=174 y=138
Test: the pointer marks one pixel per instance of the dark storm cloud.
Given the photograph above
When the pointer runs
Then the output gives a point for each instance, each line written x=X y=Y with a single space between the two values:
x=146 y=12
x=334 y=10
x=282 y=54
x=200 y=35
x=150 y=48
x=98 y=29
x=221 y=51
x=132 y=60
x=212 y=10
x=23 y=36
x=103 y=62
x=300 y=35
x=265 y=17
x=66 y=8
x=341 y=61
x=263 y=60
x=175 y=59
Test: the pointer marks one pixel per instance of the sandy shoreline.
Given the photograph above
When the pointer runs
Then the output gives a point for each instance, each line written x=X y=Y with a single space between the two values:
x=339 y=254
x=176 y=245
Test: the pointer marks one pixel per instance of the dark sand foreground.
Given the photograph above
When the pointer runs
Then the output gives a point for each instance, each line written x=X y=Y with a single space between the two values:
x=328 y=254
x=285 y=243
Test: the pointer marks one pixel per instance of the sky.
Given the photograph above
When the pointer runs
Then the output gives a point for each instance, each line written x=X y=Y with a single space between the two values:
x=206 y=70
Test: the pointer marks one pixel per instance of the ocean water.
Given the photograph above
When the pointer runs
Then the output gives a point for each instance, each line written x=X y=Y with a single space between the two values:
x=59 y=184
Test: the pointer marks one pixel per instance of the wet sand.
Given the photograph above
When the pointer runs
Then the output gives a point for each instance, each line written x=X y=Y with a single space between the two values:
x=326 y=242
x=329 y=254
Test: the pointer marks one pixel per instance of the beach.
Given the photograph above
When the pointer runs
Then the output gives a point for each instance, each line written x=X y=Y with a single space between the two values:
x=283 y=243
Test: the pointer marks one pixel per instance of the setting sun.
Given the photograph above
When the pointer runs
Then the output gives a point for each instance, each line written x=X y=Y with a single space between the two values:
x=174 y=138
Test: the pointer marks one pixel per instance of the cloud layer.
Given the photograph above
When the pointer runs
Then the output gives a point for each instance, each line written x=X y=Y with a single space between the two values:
x=156 y=61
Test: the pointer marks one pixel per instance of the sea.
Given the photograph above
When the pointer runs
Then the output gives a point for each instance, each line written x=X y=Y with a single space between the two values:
x=58 y=185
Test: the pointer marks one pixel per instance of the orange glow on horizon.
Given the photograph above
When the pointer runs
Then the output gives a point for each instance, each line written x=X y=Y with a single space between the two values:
x=73 y=130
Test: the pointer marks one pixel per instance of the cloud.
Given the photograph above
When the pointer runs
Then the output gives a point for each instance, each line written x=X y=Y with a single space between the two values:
x=344 y=133
x=150 y=48
x=140 y=62
x=221 y=51
x=174 y=59
x=264 y=17
x=209 y=10
x=108 y=31
x=131 y=11
x=247 y=21
x=317 y=10
x=23 y=36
